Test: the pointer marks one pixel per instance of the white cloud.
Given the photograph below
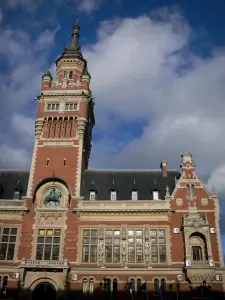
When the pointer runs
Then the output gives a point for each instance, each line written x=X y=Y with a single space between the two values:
x=14 y=158
x=143 y=72
x=154 y=97
x=88 y=6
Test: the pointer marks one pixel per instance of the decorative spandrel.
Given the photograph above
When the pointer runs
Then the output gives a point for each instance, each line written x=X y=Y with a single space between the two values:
x=53 y=197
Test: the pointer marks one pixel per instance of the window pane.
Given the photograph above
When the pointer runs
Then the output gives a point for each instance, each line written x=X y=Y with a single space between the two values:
x=41 y=232
x=93 y=254
x=10 y=253
x=131 y=254
x=39 y=253
x=85 y=254
x=94 y=233
x=6 y=230
x=40 y=239
x=86 y=240
x=108 y=232
x=86 y=232
x=139 y=254
x=3 y=251
x=57 y=232
x=13 y=231
x=116 y=233
x=49 y=232
x=5 y=238
x=108 y=254
x=47 y=252
x=56 y=240
x=161 y=232
x=12 y=238
x=48 y=240
x=55 y=252
x=162 y=254
x=116 y=254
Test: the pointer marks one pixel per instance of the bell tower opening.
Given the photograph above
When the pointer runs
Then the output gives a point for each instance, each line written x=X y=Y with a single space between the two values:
x=44 y=290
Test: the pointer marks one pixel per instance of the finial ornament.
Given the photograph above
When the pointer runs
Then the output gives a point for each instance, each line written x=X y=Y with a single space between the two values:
x=213 y=189
x=167 y=191
x=77 y=21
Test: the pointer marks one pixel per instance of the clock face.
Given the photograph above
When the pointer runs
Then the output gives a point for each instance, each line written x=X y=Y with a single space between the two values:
x=53 y=197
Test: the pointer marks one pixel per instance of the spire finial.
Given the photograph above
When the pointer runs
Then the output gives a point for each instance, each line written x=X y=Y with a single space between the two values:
x=77 y=21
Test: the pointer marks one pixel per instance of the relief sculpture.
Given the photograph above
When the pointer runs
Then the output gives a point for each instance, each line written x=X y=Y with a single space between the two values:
x=53 y=197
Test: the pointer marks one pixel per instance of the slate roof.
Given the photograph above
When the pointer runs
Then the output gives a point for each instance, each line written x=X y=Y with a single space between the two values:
x=11 y=180
x=124 y=181
x=101 y=181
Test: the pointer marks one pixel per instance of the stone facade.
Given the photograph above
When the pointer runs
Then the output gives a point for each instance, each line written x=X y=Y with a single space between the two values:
x=53 y=235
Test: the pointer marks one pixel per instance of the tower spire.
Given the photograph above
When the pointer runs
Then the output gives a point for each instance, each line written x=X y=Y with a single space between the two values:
x=75 y=36
x=73 y=50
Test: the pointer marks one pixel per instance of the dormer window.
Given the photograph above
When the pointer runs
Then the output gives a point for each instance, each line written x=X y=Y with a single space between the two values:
x=155 y=195
x=16 y=195
x=113 y=195
x=92 y=195
x=134 y=195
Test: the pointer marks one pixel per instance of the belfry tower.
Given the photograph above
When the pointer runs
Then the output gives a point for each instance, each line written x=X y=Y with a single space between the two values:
x=64 y=123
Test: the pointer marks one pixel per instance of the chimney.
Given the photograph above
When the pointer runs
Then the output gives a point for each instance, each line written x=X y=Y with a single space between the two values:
x=164 y=167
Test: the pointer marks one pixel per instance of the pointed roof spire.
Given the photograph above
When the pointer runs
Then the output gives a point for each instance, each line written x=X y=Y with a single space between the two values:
x=73 y=50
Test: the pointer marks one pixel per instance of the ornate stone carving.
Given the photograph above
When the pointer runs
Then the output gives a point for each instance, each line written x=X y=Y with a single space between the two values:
x=51 y=219
x=38 y=127
x=123 y=246
x=147 y=246
x=101 y=246
x=193 y=219
x=179 y=201
x=204 y=201
x=167 y=191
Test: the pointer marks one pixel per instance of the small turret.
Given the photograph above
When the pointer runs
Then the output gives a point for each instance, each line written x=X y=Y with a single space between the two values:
x=47 y=80
x=86 y=77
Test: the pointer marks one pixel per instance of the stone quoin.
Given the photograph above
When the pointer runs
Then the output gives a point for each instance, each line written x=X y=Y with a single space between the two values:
x=68 y=231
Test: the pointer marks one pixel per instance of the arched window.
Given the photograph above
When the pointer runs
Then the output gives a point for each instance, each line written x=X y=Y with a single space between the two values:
x=4 y=284
x=156 y=285
x=139 y=284
x=132 y=285
x=197 y=253
x=91 y=286
x=197 y=244
x=70 y=74
x=85 y=286
x=114 y=287
x=163 y=285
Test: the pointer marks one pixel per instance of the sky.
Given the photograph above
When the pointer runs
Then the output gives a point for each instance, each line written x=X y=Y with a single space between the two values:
x=158 y=78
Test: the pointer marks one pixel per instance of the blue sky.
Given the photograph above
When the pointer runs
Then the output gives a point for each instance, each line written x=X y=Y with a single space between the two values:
x=158 y=74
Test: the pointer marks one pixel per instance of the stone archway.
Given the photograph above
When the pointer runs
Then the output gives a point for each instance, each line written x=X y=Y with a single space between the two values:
x=44 y=290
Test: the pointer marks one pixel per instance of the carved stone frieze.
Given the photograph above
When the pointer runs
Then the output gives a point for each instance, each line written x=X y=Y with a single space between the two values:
x=51 y=219
x=147 y=246
x=193 y=219
x=101 y=246
x=124 y=246
x=179 y=201
x=204 y=201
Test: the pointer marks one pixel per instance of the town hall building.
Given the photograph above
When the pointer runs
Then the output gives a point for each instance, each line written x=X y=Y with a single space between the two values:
x=68 y=232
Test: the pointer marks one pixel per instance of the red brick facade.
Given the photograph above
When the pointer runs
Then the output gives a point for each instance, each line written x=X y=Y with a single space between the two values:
x=188 y=216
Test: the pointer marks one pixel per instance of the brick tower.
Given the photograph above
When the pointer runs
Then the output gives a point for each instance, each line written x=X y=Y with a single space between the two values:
x=64 y=122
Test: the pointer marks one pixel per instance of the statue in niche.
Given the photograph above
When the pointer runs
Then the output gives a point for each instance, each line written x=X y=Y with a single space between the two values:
x=53 y=197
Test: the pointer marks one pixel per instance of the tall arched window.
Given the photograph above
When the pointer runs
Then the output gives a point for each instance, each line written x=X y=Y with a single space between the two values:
x=91 y=286
x=156 y=285
x=85 y=286
x=163 y=285
x=139 y=283
x=114 y=287
x=197 y=244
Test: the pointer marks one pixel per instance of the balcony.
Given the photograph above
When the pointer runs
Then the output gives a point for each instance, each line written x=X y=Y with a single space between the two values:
x=55 y=264
x=200 y=264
